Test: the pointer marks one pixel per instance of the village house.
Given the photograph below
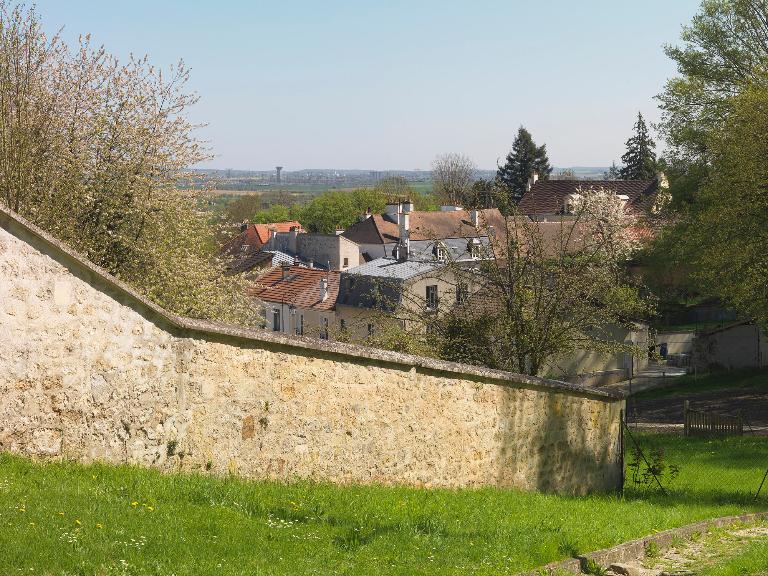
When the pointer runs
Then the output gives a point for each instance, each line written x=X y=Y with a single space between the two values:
x=327 y=251
x=415 y=277
x=253 y=237
x=297 y=300
x=378 y=234
x=555 y=199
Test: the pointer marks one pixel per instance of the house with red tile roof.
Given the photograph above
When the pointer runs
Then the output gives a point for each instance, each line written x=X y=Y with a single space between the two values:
x=297 y=300
x=253 y=237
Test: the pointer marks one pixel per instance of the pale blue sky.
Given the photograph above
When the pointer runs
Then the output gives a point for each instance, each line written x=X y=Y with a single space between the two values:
x=384 y=85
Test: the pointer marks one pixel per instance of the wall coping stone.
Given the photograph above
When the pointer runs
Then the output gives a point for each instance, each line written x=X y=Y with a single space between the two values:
x=208 y=330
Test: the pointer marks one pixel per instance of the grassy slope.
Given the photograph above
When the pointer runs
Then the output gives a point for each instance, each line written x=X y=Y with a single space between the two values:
x=65 y=518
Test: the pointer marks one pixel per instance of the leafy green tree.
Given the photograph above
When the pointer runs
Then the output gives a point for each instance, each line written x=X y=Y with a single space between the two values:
x=524 y=159
x=725 y=232
x=275 y=213
x=639 y=159
x=723 y=51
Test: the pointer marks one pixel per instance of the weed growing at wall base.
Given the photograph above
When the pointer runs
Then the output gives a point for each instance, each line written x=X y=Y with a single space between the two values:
x=65 y=518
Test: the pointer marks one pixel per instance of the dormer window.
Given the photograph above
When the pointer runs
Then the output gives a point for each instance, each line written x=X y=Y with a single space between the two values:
x=440 y=252
x=473 y=247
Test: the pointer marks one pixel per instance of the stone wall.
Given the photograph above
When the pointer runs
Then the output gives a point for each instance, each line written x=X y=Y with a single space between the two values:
x=89 y=370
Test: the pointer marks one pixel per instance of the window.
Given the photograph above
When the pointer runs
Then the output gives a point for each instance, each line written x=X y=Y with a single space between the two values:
x=371 y=330
x=276 y=319
x=346 y=262
x=432 y=297
x=324 y=331
x=300 y=326
x=440 y=253
x=462 y=293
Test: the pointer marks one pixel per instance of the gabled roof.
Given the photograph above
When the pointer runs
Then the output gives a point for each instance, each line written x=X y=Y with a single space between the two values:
x=383 y=229
x=548 y=196
x=300 y=287
x=255 y=236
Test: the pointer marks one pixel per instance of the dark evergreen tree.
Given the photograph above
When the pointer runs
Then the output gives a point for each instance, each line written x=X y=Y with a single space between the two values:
x=524 y=159
x=640 y=159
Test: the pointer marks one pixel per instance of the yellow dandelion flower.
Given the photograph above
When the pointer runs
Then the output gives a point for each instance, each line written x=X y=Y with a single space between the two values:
x=134 y=504
x=150 y=508
x=99 y=526
x=78 y=522
x=31 y=523
x=61 y=513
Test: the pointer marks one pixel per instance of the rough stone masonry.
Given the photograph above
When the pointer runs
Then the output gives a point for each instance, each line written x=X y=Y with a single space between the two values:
x=89 y=370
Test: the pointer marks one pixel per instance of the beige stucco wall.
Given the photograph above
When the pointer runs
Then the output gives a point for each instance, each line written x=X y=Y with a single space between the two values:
x=677 y=342
x=90 y=371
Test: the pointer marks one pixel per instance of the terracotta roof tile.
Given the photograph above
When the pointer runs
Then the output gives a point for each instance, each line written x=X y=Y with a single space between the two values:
x=254 y=237
x=379 y=229
x=300 y=287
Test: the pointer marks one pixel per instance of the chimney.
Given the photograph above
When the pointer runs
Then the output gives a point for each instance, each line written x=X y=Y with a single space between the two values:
x=531 y=181
x=286 y=270
x=391 y=211
x=244 y=226
x=407 y=206
x=404 y=242
x=367 y=213
x=474 y=216
x=323 y=289
x=292 y=236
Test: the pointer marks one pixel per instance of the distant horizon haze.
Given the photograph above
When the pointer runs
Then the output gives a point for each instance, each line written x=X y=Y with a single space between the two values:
x=375 y=85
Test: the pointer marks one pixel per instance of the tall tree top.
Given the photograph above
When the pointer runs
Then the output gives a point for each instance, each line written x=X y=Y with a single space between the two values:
x=524 y=159
x=640 y=159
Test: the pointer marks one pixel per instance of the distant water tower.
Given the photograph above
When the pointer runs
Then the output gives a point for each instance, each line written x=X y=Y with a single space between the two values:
x=279 y=169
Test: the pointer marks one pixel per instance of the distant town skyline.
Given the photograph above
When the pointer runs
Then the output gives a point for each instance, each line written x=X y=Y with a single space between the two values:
x=350 y=85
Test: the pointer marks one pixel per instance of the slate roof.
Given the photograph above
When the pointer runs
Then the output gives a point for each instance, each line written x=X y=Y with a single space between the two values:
x=301 y=287
x=547 y=196
x=258 y=260
x=388 y=267
x=380 y=229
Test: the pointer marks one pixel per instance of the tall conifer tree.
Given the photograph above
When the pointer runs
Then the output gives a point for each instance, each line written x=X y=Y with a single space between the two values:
x=524 y=159
x=640 y=159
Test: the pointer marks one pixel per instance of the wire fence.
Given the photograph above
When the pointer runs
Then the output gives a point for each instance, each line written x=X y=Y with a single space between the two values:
x=717 y=464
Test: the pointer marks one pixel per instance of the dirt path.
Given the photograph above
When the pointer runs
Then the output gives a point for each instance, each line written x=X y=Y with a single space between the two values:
x=691 y=556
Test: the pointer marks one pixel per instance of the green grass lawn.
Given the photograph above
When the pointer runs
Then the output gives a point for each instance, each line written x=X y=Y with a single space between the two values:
x=684 y=385
x=752 y=561
x=65 y=518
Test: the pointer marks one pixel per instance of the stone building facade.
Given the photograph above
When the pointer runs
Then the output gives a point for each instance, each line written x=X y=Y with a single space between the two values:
x=89 y=370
